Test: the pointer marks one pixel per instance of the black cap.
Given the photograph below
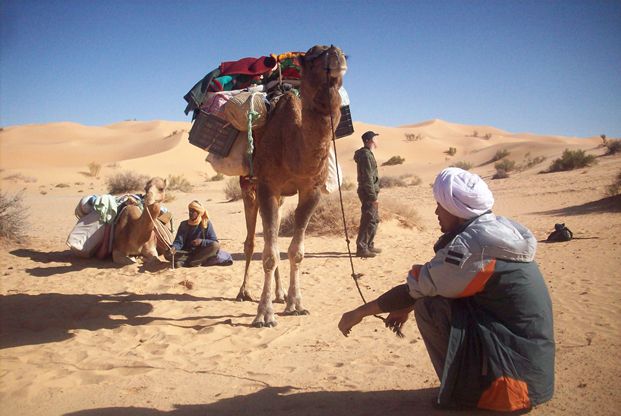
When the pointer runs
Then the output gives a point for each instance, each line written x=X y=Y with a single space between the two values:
x=368 y=136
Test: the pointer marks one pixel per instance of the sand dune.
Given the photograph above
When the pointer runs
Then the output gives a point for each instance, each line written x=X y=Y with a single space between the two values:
x=83 y=337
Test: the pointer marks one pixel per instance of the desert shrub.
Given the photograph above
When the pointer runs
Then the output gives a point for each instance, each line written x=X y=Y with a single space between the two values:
x=12 y=217
x=572 y=159
x=391 y=182
x=500 y=154
x=126 y=182
x=114 y=165
x=62 y=185
x=505 y=164
x=395 y=160
x=603 y=137
x=462 y=165
x=500 y=174
x=613 y=146
x=529 y=162
x=178 y=183
x=348 y=185
x=328 y=218
x=411 y=137
x=94 y=169
x=216 y=178
x=232 y=190
x=615 y=187
x=487 y=136
x=19 y=177
x=413 y=179
x=475 y=134
x=451 y=151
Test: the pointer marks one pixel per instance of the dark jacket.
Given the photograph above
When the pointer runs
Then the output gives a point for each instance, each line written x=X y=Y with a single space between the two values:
x=368 y=179
x=501 y=347
x=187 y=233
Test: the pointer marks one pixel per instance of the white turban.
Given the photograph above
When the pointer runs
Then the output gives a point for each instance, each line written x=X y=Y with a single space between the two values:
x=462 y=193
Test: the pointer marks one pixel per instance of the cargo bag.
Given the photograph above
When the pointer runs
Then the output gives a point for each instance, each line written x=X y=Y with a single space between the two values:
x=87 y=235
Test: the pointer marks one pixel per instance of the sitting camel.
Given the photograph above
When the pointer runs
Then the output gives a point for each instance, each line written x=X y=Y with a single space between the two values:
x=291 y=157
x=134 y=229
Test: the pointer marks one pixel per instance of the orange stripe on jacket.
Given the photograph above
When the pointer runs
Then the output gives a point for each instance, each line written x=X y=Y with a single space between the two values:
x=478 y=282
x=505 y=394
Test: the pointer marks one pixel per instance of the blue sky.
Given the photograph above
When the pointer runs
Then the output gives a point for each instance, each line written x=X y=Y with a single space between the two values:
x=545 y=67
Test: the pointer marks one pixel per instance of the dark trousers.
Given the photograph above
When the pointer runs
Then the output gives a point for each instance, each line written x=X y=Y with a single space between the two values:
x=195 y=256
x=368 y=225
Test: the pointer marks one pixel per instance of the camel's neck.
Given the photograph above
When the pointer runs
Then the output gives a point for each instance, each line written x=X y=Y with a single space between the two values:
x=149 y=214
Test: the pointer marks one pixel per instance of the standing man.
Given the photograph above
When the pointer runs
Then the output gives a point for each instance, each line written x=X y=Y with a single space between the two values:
x=368 y=191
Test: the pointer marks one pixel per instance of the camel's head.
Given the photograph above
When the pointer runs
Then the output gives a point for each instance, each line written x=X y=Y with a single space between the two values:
x=155 y=191
x=321 y=64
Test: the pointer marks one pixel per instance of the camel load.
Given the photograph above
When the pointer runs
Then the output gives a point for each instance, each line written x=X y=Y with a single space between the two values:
x=123 y=226
x=232 y=103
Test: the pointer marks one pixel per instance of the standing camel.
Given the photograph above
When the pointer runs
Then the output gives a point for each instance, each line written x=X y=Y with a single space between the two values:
x=291 y=157
x=133 y=231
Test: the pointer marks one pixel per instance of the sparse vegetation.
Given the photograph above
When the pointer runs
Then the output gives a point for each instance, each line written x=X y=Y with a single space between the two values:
x=500 y=154
x=603 y=137
x=613 y=146
x=391 y=182
x=126 y=182
x=19 y=177
x=529 y=162
x=114 y=165
x=451 y=151
x=487 y=136
x=12 y=217
x=395 y=160
x=327 y=218
x=505 y=164
x=475 y=134
x=348 y=185
x=62 y=185
x=614 y=188
x=462 y=165
x=232 y=190
x=411 y=137
x=178 y=183
x=572 y=159
x=216 y=178
x=94 y=169
x=500 y=174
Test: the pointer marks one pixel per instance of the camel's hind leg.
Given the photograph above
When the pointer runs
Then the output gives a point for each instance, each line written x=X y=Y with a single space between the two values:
x=306 y=206
x=269 y=216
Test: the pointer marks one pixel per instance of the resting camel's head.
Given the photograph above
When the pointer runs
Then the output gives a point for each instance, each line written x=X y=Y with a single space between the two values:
x=324 y=64
x=155 y=191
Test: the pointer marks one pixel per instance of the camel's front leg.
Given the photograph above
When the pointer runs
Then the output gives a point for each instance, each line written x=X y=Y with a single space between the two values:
x=251 y=207
x=269 y=215
x=306 y=206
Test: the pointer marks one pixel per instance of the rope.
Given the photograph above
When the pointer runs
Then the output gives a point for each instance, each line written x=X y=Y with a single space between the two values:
x=354 y=275
x=252 y=116
x=159 y=234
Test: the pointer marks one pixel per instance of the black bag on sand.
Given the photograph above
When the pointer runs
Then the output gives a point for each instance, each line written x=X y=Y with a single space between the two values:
x=560 y=233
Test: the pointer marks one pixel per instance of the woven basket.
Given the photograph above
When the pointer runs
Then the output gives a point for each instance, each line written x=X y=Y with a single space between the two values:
x=236 y=110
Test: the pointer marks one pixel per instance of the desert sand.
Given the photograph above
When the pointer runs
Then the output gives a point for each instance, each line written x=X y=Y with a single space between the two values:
x=84 y=337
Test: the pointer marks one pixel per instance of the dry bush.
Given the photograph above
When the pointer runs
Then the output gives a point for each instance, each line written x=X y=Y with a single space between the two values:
x=613 y=146
x=178 y=183
x=462 y=165
x=411 y=137
x=451 y=151
x=615 y=187
x=500 y=174
x=62 y=185
x=216 y=178
x=232 y=190
x=529 y=162
x=500 y=154
x=348 y=185
x=395 y=160
x=126 y=182
x=391 y=182
x=94 y=169
x=19 y=177
x=506 y=165
x=12 y=217
x=572 y=159
x=328 y=218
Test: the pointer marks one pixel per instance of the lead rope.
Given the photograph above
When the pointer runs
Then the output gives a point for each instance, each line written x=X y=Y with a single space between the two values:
x=354 y=275
x=159 y=234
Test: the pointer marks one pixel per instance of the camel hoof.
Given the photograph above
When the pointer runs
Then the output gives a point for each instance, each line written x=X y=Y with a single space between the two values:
x=243 y=297
x=295 y=312
x=280 y=300
x=263 y=324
